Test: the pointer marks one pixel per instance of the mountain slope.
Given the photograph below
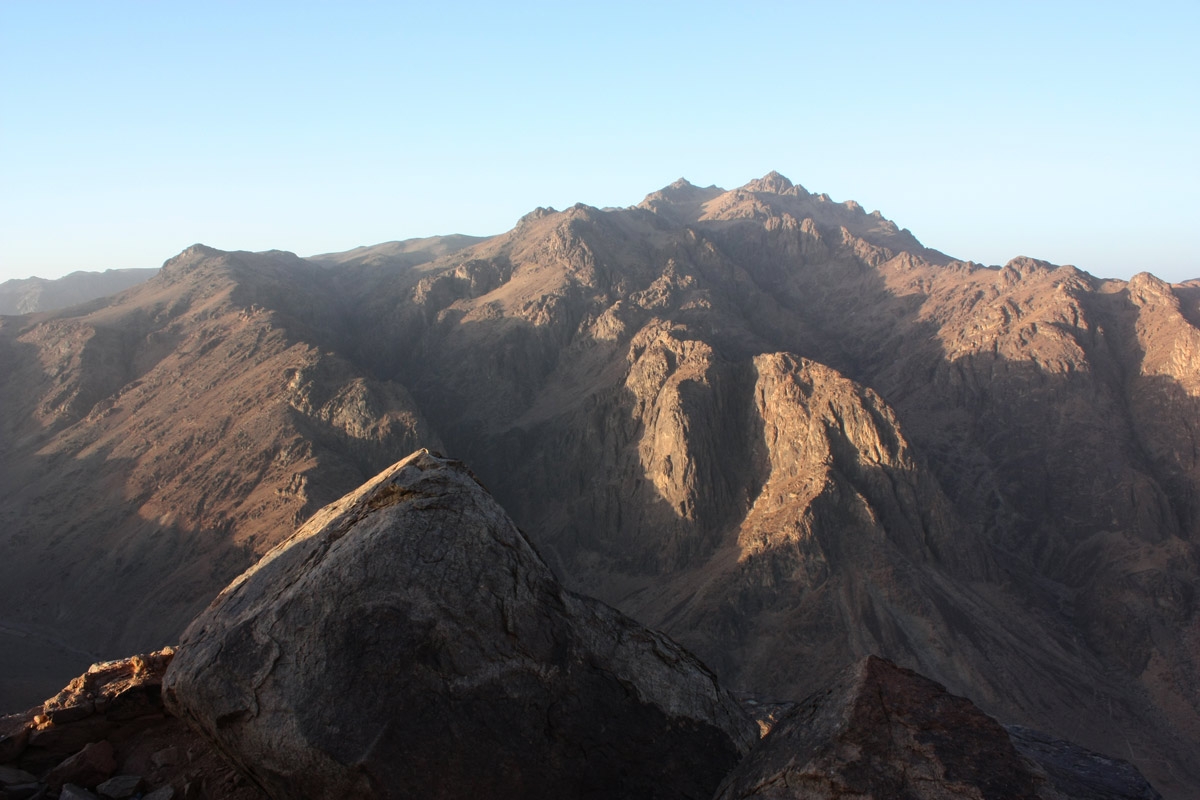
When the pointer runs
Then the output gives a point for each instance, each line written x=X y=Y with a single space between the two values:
x=27 y=295
x=177 y=436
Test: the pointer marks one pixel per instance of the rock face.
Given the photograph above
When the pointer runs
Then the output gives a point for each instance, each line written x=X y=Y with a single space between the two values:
x=409 y=642
x=886 y=732
x=110 y=722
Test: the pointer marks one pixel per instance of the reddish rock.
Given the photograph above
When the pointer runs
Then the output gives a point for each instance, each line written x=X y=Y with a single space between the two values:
x=89 y=767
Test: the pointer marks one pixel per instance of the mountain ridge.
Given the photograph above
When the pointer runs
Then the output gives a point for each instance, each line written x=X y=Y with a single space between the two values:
x=30 y=295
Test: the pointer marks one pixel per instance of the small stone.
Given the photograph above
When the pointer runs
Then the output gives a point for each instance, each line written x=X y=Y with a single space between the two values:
x=72 y=792
x=23 y=791
x=121 y=786
x=166 y=757
x=11 y=775
x=161 y=793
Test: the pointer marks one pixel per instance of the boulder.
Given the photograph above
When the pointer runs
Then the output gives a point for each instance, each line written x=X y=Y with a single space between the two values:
x=90 y=766
x=883 y=731
x=72 y=792
x=408 y=641
x=121 y=786
x=12 y=775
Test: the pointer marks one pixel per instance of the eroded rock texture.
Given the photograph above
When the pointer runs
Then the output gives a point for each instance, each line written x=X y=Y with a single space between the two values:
x=409 y=642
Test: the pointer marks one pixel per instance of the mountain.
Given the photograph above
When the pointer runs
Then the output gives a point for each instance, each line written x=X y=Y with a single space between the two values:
x=775 y=426
x=27 y=295
x=407 y=253
x=156 y=442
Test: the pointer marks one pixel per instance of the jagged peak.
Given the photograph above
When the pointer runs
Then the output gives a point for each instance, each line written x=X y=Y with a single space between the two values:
x=681 y=199
x=536 y=214
x=682 y=188
x=1025 y=264
x=190 y=257
x=201 y=250
x=774 y=183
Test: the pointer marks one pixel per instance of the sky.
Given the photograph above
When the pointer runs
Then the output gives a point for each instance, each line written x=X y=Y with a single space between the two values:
x=131 y=130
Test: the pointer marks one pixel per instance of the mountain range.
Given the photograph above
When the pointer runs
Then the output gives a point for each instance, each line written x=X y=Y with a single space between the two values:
x=776 y=427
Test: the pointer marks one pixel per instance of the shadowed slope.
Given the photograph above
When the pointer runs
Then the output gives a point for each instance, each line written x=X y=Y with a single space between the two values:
x=166 y=437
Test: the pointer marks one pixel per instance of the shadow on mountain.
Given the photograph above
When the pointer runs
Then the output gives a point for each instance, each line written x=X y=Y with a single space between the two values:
x=109 y=585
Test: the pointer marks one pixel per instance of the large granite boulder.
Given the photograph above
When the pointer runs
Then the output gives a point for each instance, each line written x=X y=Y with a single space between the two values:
x=881 y=731
x=408 y=641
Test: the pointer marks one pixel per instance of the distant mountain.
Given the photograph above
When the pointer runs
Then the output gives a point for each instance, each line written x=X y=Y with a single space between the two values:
x=27 y=295
x=775 y=426
x=407 y=253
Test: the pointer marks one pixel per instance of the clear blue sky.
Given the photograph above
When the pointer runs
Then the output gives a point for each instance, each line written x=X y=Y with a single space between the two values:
x=128 y=131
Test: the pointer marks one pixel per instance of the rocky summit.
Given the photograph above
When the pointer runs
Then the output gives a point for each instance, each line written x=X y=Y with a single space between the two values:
x=409 y=642
x=776 y=427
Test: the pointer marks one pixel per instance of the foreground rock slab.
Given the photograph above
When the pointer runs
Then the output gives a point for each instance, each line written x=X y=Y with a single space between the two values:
x=409 y=642
x=881 y=731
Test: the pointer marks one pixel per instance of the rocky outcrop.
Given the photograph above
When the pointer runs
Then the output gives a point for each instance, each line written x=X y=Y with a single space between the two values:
x=107 y=735
x=882 y=731
x=409 y=642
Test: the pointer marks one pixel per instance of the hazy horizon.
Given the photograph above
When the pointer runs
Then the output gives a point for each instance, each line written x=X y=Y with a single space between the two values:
x=1062 y=131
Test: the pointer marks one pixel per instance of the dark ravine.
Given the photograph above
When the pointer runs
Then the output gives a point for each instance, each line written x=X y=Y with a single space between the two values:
x=775 y=426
